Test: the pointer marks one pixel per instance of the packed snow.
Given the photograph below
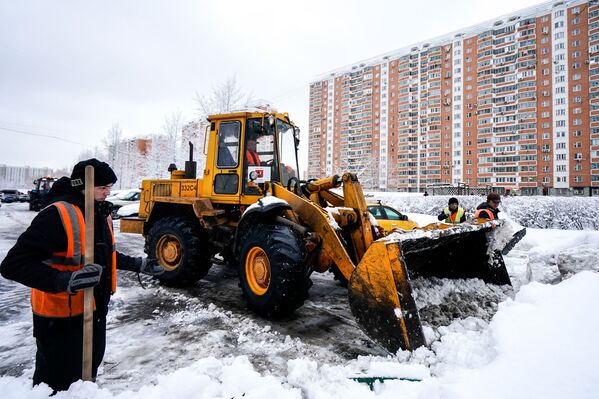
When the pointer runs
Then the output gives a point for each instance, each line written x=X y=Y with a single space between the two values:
x=535 y=341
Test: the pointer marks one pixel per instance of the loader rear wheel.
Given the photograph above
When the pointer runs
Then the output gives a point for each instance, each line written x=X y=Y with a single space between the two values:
x=176 y=243
x=273 y=269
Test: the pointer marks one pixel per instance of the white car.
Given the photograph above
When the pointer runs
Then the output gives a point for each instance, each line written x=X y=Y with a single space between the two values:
x=128 y=210
x=122 y=199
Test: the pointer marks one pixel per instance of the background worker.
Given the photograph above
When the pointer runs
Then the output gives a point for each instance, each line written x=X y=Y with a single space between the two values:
x=453 y=213
x=48 y=257
x=489 y=209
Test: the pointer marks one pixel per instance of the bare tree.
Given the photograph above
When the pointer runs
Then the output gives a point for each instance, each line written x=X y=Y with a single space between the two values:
x=223 y=98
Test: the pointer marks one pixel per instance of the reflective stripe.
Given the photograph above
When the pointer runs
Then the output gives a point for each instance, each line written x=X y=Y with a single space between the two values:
x=74 y=226
x=113 y=268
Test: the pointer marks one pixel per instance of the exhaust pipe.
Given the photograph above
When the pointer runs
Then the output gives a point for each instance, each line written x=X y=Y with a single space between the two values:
x=191 y=165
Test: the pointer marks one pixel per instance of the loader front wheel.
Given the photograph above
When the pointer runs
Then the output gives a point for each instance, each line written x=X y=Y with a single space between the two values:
x=273 y=270
x=176 y=243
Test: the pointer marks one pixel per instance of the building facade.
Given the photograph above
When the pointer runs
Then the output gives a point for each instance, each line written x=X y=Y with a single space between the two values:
x=511 y=103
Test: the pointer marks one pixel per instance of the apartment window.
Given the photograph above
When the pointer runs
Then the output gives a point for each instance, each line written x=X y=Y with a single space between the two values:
x=577 y=122
x=545 y=72
x=578 y=144
x=545 y=82
x=559 y=13
x=558 y=24
x=558 y=35
x=545 y=114
x=576 y=65
x=577 y=88
x=545 y=103
x=545 y=40
x=545 y=136
x=575 y=54
x=576 y=21
x=560 y=79
x=575 y=32
x=576 y=43
x=578 y=167
x=575 y=10
x=559 y=46
x=577 y=133
x=576 y=111
x=545 y=50
x=577 y=99
x=576 y=76
x=545 y=61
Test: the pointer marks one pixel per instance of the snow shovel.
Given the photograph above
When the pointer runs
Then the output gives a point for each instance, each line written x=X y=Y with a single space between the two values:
x=88 y=293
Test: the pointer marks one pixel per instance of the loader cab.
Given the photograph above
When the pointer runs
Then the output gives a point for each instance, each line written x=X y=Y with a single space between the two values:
x=251 y=149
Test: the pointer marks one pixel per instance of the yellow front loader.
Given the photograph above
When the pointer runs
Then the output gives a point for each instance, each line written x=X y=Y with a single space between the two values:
x=250 y=207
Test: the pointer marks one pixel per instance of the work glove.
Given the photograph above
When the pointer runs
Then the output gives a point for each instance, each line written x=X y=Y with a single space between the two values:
x=86 y=277
x=151 y=267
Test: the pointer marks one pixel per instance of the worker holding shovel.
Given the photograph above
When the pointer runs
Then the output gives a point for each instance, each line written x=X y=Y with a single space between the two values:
x=52 y=258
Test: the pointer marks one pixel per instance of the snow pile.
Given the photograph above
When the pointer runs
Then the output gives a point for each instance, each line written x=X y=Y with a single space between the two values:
x=565 y=213
x=542 y=344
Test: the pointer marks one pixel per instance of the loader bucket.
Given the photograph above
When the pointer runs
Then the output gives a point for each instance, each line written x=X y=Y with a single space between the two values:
x=380 y=294
x=380 y=298
x=457 y=252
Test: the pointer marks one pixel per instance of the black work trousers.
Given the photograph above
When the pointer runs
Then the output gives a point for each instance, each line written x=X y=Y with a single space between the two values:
x=58 y=361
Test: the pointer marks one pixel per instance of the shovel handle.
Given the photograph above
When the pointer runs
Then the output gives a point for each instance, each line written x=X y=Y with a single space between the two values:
x=88 y=293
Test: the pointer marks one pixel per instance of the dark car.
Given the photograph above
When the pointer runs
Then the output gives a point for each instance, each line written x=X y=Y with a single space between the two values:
x=10 y=196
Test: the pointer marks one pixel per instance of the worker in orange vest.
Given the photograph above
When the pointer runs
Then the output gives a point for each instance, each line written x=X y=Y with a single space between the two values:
x=48 y=257
x=453 y=212
x=490 y=209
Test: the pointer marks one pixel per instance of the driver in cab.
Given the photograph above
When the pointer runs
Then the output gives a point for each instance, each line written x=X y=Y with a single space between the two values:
x=251 y=155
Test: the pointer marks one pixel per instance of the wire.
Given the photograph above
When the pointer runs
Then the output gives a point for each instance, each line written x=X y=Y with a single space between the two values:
x=29 y=133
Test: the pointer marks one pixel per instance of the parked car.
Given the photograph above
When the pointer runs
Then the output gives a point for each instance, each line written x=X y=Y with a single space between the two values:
x=389 y=218
x=23 y=195
x=10 y=196
x=122 y=199
x=128 y=210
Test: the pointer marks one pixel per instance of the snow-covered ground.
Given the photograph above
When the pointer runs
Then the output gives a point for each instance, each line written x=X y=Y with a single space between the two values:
x=202 y=342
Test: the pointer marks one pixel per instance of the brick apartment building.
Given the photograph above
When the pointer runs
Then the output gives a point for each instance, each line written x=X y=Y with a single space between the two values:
x=509 y=103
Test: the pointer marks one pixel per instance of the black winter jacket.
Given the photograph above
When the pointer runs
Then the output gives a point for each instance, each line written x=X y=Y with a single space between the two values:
x=46 y=235
x=485 y=205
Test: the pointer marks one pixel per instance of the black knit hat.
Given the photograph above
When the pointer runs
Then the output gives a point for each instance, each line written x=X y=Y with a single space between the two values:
x=453 y=200
x=103 y=174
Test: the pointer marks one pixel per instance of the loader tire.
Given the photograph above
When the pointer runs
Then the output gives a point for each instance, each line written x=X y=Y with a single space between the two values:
x=177 y=244
x=273 y=269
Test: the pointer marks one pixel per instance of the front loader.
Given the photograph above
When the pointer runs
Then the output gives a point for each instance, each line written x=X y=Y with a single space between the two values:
x=253 y=210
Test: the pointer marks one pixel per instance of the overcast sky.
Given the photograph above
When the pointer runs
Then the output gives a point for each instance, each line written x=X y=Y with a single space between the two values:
x=71 y=69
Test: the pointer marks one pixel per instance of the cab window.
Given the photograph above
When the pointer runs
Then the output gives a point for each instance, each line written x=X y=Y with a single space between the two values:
x=228 y=144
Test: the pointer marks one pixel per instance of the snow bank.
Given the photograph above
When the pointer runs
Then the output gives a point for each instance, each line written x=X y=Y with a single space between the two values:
x=546 y=342
x=541 y=344
x=566 y=213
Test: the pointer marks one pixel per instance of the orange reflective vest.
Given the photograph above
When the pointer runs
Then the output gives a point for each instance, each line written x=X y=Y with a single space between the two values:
x=62 y=304
x=454 y=217
x=252 y=158
x=488 y=211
